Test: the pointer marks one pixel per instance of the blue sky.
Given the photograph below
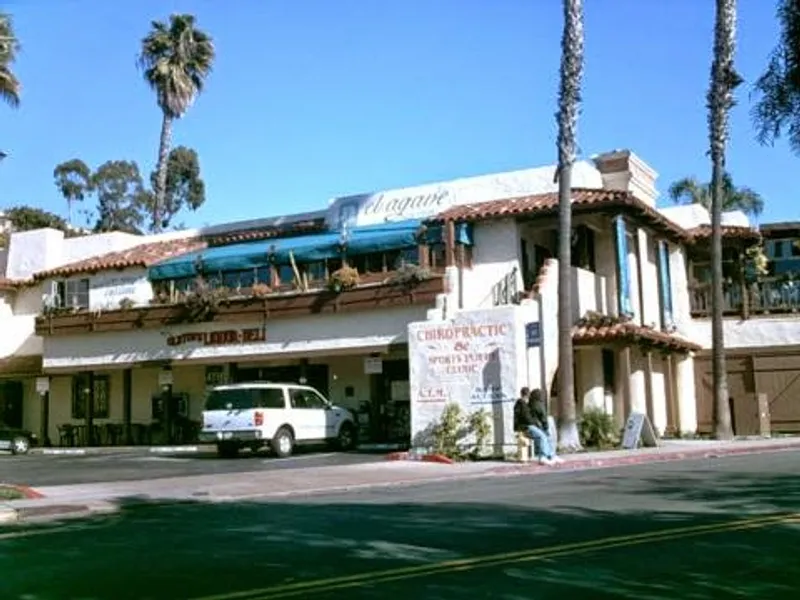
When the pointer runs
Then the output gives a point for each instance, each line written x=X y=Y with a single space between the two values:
x=312 y=99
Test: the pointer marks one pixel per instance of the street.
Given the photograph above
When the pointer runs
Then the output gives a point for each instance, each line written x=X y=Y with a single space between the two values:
x=41 y=470
x=716 y=528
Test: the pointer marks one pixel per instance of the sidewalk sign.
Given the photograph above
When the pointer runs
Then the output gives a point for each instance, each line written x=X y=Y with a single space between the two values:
x=639 y=429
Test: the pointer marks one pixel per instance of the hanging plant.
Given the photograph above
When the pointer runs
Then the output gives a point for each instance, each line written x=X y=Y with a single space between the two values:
x=421 y=235
x=409 y=275
x=260 y=290
x=203 y=302
x=345 y=278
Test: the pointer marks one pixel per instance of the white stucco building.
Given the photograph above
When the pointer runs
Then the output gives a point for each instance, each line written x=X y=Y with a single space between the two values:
x=456 y=301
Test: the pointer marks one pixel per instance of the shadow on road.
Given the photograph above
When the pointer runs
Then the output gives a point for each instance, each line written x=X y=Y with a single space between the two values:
x=194 y=550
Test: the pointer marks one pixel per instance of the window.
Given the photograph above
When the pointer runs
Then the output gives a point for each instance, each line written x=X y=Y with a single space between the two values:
x=81 y=396
x=583 y=255
x=777 y=249
x=307 y=399
x=72 y=293
x=245 y=399
x=795 y=248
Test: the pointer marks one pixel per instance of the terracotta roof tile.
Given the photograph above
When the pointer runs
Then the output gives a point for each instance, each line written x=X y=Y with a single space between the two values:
x=599 y=329
x=264 y=233
x=582 y=200
x=10 y=284
x=703 y=232
x=142 y=255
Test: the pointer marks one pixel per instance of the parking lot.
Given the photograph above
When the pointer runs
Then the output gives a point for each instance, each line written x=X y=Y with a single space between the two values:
x=45 y=470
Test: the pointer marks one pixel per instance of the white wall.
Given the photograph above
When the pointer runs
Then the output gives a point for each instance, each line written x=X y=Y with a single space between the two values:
x=751 y=333
x=495 y=254
x=301 y=336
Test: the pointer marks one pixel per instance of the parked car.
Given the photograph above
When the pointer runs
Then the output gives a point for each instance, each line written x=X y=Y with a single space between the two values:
x=276 y=415
x=16 y=441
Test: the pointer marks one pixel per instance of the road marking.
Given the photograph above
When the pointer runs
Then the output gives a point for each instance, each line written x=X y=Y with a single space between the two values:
x=558 y=551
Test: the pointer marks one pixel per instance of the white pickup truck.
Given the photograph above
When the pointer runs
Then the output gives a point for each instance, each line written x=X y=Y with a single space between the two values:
x=278 y=415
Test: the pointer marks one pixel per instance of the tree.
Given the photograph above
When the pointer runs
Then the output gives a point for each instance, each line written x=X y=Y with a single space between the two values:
x=724 y=80
x=777 y=109
x=9 y=47
x=28 y=218
x=569 y=97
x=120 y=196
x=74 y=180
x=176 y=59
x=184 y=187
x=689 y=191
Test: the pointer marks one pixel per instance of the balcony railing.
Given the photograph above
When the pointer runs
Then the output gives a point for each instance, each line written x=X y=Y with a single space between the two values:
x=761 y=297
x=506 y=291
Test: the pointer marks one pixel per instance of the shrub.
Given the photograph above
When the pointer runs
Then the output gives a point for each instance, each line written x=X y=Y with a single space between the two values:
x=126 y=304
x=597 y=429
x=454 y=425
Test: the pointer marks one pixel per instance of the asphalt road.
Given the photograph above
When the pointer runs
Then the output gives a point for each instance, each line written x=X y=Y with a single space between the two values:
x=44 y=470
x=659 y=531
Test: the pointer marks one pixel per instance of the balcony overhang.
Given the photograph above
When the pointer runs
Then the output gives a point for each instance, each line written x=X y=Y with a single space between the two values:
x=247 y=309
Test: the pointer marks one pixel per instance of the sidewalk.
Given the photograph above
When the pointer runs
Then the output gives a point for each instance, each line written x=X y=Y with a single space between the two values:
x=70 y=500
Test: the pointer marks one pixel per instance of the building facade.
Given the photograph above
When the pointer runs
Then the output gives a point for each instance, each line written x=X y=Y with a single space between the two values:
x=392 y=304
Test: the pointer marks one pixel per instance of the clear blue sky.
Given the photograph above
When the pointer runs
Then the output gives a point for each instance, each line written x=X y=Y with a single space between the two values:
x=312 y=99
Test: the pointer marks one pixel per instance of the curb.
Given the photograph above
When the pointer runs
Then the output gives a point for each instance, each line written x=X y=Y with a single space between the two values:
x=54 y=512
x=100 y=450
x=28 y=492
x=606 y=463
x=429 y=458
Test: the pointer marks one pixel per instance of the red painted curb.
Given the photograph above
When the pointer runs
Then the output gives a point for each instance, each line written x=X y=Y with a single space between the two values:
x=642 y=458
x=28 y=492
x=430 y=458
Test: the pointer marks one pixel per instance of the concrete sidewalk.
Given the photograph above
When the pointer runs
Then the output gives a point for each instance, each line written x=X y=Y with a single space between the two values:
x=70 y=500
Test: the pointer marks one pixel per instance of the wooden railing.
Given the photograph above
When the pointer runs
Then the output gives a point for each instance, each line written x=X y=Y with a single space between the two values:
x=743 y=299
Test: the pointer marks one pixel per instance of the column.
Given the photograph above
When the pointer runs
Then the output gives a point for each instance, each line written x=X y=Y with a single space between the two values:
x=638 y=385
x=685 y=392
x=127 y=404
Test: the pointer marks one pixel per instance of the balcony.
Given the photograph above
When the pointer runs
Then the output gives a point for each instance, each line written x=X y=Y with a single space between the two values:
x=773 y=296
x=244 y=306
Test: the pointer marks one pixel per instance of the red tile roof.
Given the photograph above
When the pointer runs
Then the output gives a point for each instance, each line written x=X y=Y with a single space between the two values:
x=703 y=232
x=583 y=200
x=252 y=235
x=600 y=329
x=10 y=284
x=142 y=255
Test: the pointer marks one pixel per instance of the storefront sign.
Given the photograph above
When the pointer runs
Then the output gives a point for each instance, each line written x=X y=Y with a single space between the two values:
x=533 y=335
x=373 y=365
x=470 y=360
x=219 y=338
x=42 y=385
x=107 y=292
x=424 y=201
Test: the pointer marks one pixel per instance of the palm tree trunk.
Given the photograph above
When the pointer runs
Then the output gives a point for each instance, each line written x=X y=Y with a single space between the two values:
x=161 y=172
x=720 y=100
x=568 y=102
x=69 y=211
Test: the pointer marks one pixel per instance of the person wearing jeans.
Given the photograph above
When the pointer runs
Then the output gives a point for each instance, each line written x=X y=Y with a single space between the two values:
x=534 y=424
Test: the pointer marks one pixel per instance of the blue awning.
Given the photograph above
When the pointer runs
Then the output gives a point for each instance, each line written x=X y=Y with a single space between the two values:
x=307 y=248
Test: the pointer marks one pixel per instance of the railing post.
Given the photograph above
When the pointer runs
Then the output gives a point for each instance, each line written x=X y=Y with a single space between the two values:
x=450 y=244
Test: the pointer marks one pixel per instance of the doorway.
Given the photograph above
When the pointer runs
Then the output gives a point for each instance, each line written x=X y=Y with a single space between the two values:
x=390 y=414
x=11 y=409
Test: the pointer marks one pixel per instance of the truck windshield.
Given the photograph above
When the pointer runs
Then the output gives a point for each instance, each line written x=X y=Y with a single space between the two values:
x=245 y=398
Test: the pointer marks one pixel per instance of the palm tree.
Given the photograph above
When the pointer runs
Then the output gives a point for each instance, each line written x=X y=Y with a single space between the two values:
x=9 y=46
x=777 y=109
x=569 y=97
x=724 y=80
x=689 y=191
x=73 y=179
x=176 y=59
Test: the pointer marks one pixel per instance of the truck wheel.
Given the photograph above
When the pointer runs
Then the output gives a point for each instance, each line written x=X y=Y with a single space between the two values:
x=346 y=440
x=283 y=443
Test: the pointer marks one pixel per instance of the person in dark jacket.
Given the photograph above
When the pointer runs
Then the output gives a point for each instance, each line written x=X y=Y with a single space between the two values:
x=528 y=423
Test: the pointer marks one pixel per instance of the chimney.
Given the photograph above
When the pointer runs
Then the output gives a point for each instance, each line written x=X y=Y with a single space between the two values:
x=623 y=170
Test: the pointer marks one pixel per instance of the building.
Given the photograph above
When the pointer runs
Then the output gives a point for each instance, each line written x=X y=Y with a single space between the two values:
x=455 y=300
